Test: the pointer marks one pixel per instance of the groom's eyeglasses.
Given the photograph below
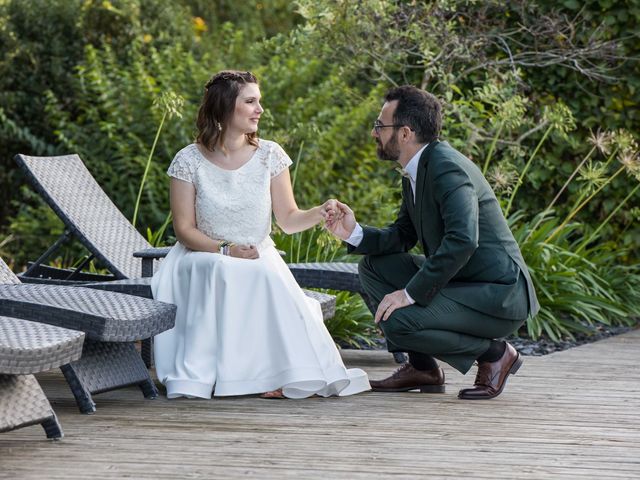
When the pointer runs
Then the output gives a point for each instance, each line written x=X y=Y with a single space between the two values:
x=377 y=126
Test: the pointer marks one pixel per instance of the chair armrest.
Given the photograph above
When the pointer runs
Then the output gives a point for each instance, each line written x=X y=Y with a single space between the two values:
x=152 y=253
x=164 y=251
x=332 y=275
x=148 y=255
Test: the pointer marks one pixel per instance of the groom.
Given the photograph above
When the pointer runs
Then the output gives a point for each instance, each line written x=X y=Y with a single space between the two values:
x=469 y=287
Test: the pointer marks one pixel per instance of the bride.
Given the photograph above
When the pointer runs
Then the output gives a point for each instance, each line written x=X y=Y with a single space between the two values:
x=243 y=324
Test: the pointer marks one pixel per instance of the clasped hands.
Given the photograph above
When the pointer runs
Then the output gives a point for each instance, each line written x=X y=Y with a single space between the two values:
x=341 y=222
x=329 y=211
x=243 y=251
x=339 y=219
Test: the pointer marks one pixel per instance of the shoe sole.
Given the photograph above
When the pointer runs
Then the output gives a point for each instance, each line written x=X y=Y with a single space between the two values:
x=422 y=388
x=512 y=371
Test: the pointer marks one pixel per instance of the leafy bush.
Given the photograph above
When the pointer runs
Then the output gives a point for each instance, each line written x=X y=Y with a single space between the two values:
x=577 y=287
x=579 y=276
x=87 y=82
x=352 y=325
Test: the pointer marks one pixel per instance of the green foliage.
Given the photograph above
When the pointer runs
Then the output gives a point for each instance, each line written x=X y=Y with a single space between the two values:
x=576 y=288
x=43 y=42
x=352 y=324
x=313 y=245
x=159 y=237
x=34 y=231
x=537 y=53
x=4 y=253
x=35 y=50
x=577 y=273
x=170 y=104
x=254 y=19
x=115 y=123
x=524 y=84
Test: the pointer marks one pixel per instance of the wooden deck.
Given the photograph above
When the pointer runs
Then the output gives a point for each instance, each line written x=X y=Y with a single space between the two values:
x=573 y=414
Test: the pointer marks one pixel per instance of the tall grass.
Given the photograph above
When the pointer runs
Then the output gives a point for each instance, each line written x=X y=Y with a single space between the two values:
x=169 y=103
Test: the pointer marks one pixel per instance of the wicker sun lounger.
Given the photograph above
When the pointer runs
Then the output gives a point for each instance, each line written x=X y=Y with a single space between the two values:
x=27 y=348
x=111 y=321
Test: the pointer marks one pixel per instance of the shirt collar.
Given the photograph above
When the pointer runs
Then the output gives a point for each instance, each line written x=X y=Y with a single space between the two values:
x=412 y=166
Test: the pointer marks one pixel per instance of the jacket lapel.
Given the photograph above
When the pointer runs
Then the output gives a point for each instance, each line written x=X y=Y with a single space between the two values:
x=407 y=198
x=420 y=186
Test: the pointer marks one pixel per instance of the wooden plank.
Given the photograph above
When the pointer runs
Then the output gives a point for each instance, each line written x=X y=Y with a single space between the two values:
x=572 y=414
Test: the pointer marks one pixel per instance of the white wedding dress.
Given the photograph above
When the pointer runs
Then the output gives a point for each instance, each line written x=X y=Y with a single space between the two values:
x=242 y=326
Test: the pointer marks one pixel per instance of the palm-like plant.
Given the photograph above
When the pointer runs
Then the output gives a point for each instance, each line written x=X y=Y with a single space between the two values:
x=580 y=278
x=576 y=290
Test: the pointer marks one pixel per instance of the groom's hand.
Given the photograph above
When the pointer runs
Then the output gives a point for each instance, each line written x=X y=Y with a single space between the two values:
x=343 y=222
x=391 y=303
x=329 y=209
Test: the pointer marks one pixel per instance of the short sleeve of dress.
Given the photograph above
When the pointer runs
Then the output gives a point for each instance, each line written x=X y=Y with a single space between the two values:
x=278 y=160
x=182 y=167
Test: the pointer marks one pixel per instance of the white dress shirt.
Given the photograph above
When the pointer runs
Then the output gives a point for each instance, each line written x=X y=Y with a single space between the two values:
x=412 y=170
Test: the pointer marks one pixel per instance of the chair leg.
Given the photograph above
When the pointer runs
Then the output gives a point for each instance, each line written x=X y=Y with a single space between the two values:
x=80 y=392
x=52 y=428
x=146 y=351
x=106 y=366
x=149 y=389
x=23 y=403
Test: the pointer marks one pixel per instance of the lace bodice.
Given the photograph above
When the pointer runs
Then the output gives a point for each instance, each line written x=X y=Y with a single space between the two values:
x=233 y=205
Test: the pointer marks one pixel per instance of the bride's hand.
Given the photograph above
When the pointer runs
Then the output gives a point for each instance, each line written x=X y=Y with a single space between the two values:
x=330 y=211
x=343 y=221
x=244 y=251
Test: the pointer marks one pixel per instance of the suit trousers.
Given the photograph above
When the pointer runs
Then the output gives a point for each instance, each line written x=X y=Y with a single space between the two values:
x=444 y=329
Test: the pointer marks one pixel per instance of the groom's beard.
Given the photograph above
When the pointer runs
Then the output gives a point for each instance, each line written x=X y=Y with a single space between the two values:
x=390 y=151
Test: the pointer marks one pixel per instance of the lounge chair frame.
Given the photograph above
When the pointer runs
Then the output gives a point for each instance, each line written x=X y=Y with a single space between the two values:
x=27 y=348
x=111 y=321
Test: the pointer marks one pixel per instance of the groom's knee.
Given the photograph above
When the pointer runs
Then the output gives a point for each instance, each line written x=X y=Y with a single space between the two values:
x=366 y=272
x=364 y=266
x=396 y=329
x=373 y=266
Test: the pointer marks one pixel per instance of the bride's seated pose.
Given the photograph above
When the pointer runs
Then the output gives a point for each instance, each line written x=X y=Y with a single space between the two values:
x=243 y=325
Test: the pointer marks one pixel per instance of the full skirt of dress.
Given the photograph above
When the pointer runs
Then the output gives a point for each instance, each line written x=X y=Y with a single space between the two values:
x=244 y=327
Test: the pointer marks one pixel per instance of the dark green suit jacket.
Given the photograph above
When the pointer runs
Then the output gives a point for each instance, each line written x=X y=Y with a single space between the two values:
x=471 y=256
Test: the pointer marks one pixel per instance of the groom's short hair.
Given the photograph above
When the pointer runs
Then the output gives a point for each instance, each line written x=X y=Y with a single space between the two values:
x=417 y=109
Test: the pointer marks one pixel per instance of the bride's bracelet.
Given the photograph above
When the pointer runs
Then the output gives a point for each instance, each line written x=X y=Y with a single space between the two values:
x=225 y=246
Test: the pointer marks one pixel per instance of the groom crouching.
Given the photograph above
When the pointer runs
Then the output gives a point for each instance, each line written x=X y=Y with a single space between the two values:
x=469 y=287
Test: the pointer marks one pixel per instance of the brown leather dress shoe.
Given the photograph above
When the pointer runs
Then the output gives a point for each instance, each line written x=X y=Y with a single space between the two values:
x=492 y=376
x=408 y=378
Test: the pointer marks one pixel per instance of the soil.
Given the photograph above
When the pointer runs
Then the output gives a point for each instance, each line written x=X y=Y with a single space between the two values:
x=544 y=346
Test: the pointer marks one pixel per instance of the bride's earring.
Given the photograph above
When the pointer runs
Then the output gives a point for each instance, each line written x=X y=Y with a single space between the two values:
x=219 y=125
